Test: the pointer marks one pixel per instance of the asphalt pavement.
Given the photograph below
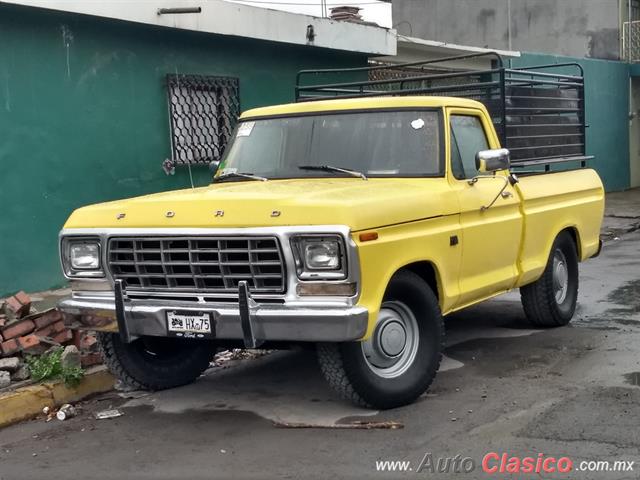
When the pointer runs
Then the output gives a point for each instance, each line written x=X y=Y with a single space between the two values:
x=504 y=388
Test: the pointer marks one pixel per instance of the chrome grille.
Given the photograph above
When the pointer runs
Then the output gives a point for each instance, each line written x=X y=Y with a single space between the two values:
x=197 y=264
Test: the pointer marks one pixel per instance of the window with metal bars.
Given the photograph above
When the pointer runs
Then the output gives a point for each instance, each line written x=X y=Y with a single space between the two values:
x=203 y=111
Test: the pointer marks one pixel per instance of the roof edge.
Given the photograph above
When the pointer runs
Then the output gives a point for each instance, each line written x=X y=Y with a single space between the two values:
x=362 y=103
x=227 y=18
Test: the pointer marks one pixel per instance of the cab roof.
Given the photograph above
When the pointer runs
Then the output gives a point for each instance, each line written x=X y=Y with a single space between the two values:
x=361 y=103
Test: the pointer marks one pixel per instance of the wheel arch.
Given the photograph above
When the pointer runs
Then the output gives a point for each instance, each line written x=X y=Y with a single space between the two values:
x=428 y=271
x=537 y=263
x=574 y=233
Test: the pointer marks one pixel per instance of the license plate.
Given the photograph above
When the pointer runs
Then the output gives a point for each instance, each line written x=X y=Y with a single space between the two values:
x=189 y=324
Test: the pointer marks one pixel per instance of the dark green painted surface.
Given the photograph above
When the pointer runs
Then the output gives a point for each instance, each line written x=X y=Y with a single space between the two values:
x=607 y=102
x=83 y=118
x=634 y=69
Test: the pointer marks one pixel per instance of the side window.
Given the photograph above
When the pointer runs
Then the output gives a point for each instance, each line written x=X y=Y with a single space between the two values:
x=467 y=139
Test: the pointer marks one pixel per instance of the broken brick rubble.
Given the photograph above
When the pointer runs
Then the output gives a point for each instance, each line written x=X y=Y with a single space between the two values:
x=28 y=342
x=17 y=329
x=9 y=347
x=63 y=337
x=47 y=318
x=50 y=330
x=10 y=364
x=19 y=304
x=90 y=359
x=25 y=332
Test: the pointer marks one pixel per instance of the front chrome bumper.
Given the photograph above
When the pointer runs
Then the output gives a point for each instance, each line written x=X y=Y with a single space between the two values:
x=247 y=320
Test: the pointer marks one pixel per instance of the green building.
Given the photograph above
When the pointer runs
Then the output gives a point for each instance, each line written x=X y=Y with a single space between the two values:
x=94 y=101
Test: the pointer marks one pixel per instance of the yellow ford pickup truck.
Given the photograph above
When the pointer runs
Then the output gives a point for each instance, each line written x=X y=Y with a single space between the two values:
x=353 y=224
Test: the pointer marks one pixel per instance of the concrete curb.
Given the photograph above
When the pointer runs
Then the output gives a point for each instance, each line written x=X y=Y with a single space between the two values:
x=27 y=402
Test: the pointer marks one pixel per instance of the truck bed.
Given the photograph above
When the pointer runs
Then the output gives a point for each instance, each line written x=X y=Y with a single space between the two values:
x=552 y=203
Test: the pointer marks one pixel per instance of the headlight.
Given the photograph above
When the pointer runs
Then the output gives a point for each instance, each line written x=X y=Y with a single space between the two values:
x=319 y=257
x=81 y=257
x=84 y=256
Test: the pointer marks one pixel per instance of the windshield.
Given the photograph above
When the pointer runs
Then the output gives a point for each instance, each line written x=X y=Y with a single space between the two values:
x=378 y=143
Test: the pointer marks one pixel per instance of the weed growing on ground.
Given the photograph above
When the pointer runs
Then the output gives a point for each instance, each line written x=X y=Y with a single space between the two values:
x=48 y=366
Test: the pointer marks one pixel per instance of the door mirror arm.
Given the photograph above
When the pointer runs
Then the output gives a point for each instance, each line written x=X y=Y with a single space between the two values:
x=475 y=179
x=508 y=180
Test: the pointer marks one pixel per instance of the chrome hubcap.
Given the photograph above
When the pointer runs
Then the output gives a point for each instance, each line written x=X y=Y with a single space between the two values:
x=560 y=276
x=393 y=346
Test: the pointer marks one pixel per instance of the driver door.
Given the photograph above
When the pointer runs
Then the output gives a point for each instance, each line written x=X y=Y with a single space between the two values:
x=490 y=238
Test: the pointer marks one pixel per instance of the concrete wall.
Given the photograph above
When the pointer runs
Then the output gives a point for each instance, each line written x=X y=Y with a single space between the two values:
x=579 y=28
x=83 y=116
x=607 y=103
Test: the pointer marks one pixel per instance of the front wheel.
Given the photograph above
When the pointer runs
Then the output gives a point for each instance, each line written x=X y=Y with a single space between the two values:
x=400 y=359
x=155 y=363
x=551 y=300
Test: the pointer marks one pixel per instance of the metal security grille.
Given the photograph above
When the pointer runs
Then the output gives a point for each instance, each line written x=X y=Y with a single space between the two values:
x=203 y=112
x=197 y=264
x=631 y=41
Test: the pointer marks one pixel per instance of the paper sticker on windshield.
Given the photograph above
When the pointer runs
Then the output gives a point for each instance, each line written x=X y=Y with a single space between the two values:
x=244 y=130
x=417 y=124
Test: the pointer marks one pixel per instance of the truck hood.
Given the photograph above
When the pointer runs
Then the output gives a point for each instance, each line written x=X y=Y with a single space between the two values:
x=353 y=202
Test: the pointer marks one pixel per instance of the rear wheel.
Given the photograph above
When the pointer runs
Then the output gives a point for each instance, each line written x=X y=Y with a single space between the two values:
x=400 y=360
x=155 y=363
x=551 y=300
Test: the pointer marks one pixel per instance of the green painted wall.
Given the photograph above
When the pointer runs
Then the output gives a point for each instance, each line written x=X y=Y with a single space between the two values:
x=607 y=102
x=83 y=118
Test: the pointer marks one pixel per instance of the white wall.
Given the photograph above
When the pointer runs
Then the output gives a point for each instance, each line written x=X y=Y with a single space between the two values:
x=226 y=18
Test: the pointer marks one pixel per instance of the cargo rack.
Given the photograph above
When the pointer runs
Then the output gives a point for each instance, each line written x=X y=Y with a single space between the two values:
x=538 y=112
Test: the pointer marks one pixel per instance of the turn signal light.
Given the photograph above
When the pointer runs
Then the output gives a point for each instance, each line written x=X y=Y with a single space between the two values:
x=368 y=236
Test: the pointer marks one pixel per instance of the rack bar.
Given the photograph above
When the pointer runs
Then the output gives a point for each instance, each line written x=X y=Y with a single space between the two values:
x=543 y=99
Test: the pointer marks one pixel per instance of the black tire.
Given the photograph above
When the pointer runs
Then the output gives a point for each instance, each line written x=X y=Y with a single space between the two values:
x=540 y=299
x=348 y=371
x=155 y=363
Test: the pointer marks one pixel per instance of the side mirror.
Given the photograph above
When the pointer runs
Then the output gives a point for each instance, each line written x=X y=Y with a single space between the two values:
x=213 y=166
x=493 y=160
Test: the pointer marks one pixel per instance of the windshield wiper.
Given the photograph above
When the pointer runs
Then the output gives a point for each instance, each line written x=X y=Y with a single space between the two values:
x=250 y=176
x=330 y=168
